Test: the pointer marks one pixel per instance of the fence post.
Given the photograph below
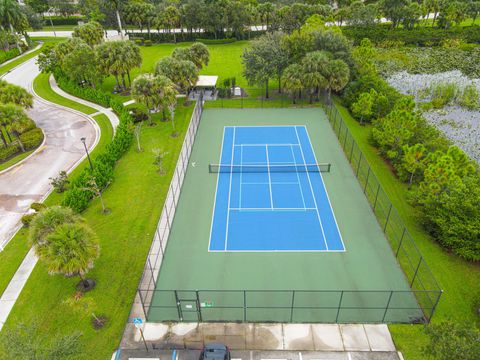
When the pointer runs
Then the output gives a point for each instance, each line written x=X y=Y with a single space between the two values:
x=293 y=304
x=346 y=136
x=141 y=302
x=179 y=306
x=339 y=128
x=435 y=305
x=366 y=181
x=388 y=218
x=244 y=305
x=359 y=162
x=376 y=197
x=351 y=151
x=339 y=306
x=388 y=304
x=199 y=308
x=401 y=241
x=416 y=271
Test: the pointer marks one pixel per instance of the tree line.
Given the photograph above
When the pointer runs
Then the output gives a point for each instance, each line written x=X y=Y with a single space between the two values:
x=444 y=182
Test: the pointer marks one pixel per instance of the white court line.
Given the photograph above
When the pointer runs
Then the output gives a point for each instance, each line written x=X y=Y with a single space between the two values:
x=298 y=179
x=241 y=178
x=272 y=144
x=271 y=209
x=326 y=192
x=273 y=183
x=269 y=178
x=229 y=191
x=216 y=192
x=311 y=189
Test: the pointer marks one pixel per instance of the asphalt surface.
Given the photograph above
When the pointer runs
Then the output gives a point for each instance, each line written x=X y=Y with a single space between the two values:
x=29 y=182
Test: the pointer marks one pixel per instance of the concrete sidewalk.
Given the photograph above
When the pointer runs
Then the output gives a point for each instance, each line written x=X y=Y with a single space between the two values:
x=259 y=336
x=114 y=120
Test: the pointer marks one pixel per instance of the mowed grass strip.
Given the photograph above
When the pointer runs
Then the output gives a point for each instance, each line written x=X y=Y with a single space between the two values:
x=42 y=88
x=135 y=198
x=458 y=278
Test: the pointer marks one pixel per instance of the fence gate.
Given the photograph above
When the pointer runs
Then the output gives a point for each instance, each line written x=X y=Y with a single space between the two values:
x=188 y=306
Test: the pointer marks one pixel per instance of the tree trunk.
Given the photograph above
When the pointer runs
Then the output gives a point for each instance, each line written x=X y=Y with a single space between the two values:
x=434 y=18
x=116 y=80
x=119 y=23
x=123 y=82
x=129 y=79
x=3 y=138
x=16 y=42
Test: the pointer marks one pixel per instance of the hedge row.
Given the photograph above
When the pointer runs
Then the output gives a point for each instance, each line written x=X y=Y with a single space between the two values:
x=77 y=197
x=190 y=37
x=9 y=54
x=421 y=36
x=31 y=140
x=59 y=20
x=216 y=41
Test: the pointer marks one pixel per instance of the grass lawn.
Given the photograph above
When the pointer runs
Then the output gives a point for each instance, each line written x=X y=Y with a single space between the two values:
x=17 y=248
x=23 y=58
x=135 y=198
x=43 y=89
x=458 y=278
x=225 y=61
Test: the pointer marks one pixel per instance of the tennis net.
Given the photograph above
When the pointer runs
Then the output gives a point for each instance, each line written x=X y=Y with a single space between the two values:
x=272 y=168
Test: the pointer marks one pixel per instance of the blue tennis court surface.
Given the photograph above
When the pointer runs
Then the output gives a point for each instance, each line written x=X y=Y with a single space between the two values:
x=269 y=210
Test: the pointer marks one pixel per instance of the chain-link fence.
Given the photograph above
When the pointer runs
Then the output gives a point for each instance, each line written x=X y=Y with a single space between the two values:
x=418 y=274
x=325 y=306
x=154 y=260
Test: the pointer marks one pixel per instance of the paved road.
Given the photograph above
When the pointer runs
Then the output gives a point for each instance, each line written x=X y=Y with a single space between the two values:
x=29 y=182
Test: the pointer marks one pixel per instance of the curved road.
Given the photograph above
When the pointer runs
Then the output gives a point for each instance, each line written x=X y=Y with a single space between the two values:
x=62 y=150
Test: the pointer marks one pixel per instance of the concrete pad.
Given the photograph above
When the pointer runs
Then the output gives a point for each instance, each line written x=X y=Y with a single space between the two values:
x=379 y=337
x=267 y=337
x=181 y=329
x=198 y=345
x=153 y=331
x=235 y=342
x=354 y=337
x=212 y=329
x=327 y=337
x=298 y=337
x=235 y=329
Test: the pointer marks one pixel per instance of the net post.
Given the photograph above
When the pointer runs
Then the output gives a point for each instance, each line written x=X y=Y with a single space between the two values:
x=339 y=307
x=388 y=304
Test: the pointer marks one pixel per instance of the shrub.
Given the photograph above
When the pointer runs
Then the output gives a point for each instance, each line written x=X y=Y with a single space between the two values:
x=37 y=206
x=470 y=97
x=216 y=41
x=32 y=138
x=139 y=114
x=9 y=54
x=148 y=42
x=60 y=20
x=27 y=219
x=77 y=197
x=9 y=152
x=139 y=42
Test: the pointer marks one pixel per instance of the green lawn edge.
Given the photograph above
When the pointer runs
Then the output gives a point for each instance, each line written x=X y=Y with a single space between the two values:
x=16 y=159
x=458 y=278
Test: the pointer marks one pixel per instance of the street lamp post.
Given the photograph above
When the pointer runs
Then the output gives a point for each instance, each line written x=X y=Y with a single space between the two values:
x=86 y=150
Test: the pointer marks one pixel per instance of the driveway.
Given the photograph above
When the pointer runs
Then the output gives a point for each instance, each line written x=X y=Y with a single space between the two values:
x=29 y=182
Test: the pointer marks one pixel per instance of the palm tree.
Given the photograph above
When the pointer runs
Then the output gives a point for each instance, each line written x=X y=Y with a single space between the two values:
x=132 y=58
x=314 y=65
x=45 y=222
x=171 y=19
x=14 y=120
x=70 y=250
x=337 y=75
x=168 y=98
x=143 y=91
x=200 y=55
x=110 y=58
x=11 y=16
x=293 y=81
x=183 y=73
x=10 y=93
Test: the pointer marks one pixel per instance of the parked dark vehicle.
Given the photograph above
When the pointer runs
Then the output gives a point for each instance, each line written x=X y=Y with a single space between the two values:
x=215 y=351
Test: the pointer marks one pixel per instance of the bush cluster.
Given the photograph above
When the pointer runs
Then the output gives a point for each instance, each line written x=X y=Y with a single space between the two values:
x=60 y=20
x=31 y=139
x=206 y=38
x=444 y=181
x=77 y=197
x=9 y=54
x=419 y=36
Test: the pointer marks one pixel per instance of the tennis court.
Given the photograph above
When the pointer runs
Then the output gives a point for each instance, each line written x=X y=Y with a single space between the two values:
x=274 y=263
x=270 y=193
